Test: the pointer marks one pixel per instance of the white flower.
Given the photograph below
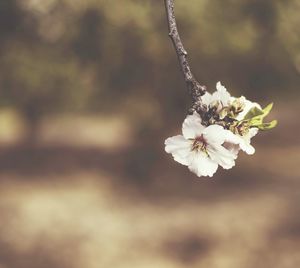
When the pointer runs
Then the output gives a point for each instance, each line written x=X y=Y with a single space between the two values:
x=221 y=96
x=201 y=148
x=222 y=99
x=225 y=99
x=244 y=142
x=248 y=105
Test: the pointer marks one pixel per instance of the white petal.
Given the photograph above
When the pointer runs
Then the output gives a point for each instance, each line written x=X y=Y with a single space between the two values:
x=246 y=147
x=242 y=141
x=180 y=148
x=206 y=98
x=246 y=140
x=232 y=138
x=222 y=156
x=252 y=132
x=192 y=127
x=248 y=106
x=215 y=134
x=202 y=165
x=221 y=95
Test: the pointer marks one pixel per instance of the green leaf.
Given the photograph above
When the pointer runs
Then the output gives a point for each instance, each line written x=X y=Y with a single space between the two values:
x=255 y=118
x=253 y=112
x=267 y=109
x=267 y=126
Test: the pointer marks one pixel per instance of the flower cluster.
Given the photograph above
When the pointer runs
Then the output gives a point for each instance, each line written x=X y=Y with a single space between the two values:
x=215 y=136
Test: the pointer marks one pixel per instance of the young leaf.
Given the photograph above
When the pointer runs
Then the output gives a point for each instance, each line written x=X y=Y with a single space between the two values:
x=267 y=126
x=267 y=109
x=255 y=117
x=253 y=112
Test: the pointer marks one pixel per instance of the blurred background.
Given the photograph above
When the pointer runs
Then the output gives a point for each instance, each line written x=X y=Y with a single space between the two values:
x=90 y=89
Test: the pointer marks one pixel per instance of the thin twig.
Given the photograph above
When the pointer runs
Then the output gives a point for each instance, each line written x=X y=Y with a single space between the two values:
x=196 y=90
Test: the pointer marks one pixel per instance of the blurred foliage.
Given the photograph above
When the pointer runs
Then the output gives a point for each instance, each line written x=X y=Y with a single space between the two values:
x=100 y=56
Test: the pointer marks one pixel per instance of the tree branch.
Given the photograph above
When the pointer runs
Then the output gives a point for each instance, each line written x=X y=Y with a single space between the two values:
x=194 y=87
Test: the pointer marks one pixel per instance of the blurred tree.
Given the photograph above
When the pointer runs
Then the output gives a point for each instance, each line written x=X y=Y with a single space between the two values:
x=38 y=82
x=35 y=77
x=11 y=18
x=88 y=44
x=99 y=56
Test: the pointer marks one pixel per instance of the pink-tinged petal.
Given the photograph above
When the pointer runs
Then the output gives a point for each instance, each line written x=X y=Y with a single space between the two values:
x=179 y=147
x=222 y=156
x=234 y=148
x=202 y=165
x=192 y=127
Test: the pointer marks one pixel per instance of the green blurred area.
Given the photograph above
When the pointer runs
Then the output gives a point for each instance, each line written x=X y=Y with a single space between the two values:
x=89 y=90
x=99 y=56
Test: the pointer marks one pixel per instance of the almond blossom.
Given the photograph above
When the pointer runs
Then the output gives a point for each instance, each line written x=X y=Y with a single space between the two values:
x=235 y=109
x=201 y=148
x=216 y=134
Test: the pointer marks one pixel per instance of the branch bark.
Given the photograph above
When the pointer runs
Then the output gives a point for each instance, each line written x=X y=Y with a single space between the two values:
x=195 y=89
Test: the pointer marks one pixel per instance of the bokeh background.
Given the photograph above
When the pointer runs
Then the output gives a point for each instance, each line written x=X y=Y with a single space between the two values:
x=89 y=90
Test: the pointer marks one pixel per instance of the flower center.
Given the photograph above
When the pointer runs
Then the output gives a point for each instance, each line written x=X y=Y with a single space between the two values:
x=199 y=144
x=241 y=128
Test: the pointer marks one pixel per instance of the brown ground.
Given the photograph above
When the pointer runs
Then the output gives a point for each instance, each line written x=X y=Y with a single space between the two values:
x=81 y=200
